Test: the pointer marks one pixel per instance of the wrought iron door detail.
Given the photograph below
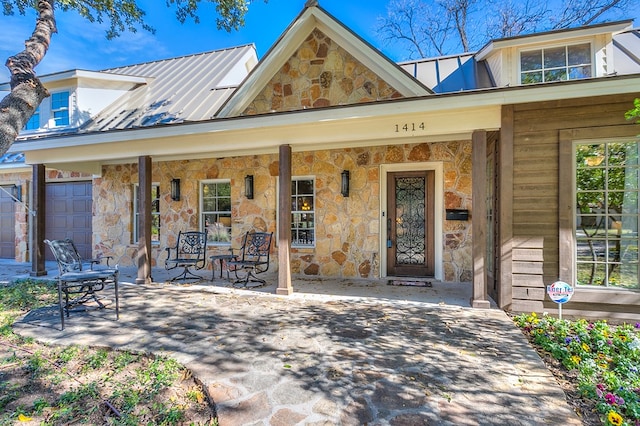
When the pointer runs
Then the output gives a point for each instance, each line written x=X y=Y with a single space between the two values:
x=410 y=220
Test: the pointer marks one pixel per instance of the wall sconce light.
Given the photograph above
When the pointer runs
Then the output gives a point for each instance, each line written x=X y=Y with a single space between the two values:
x=175 y=189
x=16 y=193
x=248 y=186
x=344 y=187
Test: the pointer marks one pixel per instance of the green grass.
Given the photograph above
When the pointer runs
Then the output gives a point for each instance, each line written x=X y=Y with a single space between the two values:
x=54 y=385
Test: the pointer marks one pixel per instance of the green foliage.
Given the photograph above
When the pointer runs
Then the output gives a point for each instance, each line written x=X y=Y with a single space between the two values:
x=126 y=15
x=635 y=112
x=606 y=359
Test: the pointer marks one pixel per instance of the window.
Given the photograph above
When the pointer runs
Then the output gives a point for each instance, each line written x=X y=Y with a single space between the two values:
x=555 y=64
x=607 y=181
x=34 y=121
x=155 y=213
x=60 y=108
x=215 y=197
x=302 y=212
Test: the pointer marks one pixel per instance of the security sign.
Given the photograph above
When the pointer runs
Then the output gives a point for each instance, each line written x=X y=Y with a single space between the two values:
x=560 y=292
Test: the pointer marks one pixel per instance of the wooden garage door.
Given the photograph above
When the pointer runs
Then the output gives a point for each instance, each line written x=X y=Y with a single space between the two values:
x=69 y=207
x=7 y=225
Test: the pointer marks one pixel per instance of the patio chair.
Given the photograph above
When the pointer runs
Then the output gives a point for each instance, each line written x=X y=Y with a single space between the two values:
x=189 y=252
x=253 y=258
x=79 y=280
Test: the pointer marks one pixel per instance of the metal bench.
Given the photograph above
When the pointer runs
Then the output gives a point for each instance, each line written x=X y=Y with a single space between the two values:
x=253 y=258
x=190 y=252
x=79 y=280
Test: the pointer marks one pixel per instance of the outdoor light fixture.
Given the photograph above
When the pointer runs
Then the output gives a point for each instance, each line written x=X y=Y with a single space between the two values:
x=248 y=186
x=16 y=193
x=175 y=189
x=344 y=187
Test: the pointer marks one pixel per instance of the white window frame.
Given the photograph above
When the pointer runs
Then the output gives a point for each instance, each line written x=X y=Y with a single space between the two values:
x=607 y=218
x=66 y=109
x=555 y=46
x=211 y=229
x=297 y=227
x=155 y=189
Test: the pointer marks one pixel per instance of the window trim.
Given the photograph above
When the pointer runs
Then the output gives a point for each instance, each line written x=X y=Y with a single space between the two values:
x=134 y=211
x=53 y=110
x=314 y=211
x=522 y=50
x=566 y=215
x=202 y=212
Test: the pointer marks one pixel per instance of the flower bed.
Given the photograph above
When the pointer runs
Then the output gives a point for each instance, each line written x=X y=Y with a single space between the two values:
x=605 y=358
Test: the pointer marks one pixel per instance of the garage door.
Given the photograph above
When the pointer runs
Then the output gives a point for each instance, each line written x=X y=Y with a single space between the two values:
x=7 y=225
x=68 y=207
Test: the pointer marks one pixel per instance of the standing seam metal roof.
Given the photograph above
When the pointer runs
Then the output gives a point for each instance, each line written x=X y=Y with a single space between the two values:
x=188 y=88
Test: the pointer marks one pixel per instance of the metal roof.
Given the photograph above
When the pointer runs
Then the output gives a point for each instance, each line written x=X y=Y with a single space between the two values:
x=188 y=88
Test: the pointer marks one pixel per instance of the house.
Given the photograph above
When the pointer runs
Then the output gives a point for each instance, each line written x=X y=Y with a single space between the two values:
x=510 y=168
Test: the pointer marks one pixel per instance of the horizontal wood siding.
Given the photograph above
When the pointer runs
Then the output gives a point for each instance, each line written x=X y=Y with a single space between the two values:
x=535 y=211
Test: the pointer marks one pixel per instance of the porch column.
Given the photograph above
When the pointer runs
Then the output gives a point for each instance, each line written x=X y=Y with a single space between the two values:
x=37 y=222
x=144 y=220
x=284 y=222
x=479 y=223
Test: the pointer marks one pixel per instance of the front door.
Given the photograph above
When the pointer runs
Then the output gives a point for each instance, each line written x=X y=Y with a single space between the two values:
x=410 y=227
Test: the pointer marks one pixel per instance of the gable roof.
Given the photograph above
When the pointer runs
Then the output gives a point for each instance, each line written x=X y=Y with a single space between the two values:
x=314 y=18
x=188 y=88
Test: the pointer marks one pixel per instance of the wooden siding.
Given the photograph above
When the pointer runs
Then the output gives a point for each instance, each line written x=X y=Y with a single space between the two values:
x=536 y=190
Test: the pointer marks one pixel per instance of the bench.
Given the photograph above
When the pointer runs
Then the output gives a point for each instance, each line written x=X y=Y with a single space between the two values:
x=189 y=252
x=79 y=280
x=252 y=258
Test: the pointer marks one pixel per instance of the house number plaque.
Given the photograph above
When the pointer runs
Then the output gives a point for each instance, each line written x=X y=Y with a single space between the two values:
x=410 y=127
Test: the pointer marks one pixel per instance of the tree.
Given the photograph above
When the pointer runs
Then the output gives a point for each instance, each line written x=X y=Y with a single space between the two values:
x=27 y=92
x=441 y=27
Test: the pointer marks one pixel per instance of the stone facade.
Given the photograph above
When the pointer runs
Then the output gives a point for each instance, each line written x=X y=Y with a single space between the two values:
x=347 y=229
x=320 y=74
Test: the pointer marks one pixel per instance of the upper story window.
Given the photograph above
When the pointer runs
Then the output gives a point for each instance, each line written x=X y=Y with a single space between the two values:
x=555 y=64
x=303 y=212
x=215 y=210
x=34 y=121
x=155 y=213
x=60 y=108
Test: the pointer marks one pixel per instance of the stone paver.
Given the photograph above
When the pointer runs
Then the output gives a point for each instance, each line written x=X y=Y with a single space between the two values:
x=293 y=360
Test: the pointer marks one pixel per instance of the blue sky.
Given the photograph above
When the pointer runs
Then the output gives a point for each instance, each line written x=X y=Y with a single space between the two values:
x=82 y=45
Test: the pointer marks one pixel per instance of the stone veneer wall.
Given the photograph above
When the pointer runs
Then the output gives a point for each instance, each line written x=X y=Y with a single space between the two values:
x=320 y=74
x=347 y=229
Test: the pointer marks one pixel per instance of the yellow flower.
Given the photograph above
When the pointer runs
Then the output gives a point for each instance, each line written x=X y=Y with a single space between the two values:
x=576 y=359
x=614 y=418
x=585 y=347
x=23 y=418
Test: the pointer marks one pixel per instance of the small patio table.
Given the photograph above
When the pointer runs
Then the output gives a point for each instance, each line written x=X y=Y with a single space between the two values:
x=222 y=258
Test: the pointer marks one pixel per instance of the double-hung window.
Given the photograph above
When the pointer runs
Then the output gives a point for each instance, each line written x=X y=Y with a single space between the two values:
x=60 y=108
x=215 y=208
x=607 y=182
x=303 y=229
x=555 y=64
x=155 y=213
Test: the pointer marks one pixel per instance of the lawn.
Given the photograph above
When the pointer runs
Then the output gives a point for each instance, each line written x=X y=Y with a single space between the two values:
x=53 y=385
x=598 y=363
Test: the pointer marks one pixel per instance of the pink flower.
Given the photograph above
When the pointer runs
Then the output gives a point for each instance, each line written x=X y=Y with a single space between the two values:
x=610 y=398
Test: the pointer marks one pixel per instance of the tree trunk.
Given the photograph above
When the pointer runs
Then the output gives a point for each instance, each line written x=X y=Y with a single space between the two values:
x=26 y=89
